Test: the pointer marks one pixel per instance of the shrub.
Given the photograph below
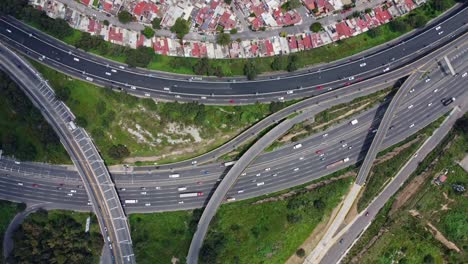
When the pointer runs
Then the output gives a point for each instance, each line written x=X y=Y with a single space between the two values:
x=148 y=32
x=125 y=17
x=300 y=252
x=118 y=152
x=316 y=27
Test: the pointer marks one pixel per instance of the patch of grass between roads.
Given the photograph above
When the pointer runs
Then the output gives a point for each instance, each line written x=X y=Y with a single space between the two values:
x=138 y=130
x=251 y=233
x=401 y=231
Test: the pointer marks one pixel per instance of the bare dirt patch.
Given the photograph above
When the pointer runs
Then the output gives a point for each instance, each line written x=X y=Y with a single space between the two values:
x=442 y=239
x=408 y=192
x=308 y=188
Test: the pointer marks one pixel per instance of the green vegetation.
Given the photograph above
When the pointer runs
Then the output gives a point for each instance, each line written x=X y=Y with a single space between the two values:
x=148 y=33
x=125 y=17
x=8 y=210
x=230 y=67
x=291 y=4
x=163 y=132
x=316 y=27
x=233 y=31
x=57 y=237
x=223 y=39
x=251 y=70
x=181 y=28
x=402 y=228
x=384 y=171
x=156 y=23
x=247 y=232
x=24 y=133
x=139 y=57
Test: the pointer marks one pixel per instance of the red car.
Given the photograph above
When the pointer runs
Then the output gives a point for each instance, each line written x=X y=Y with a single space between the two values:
x=320 y=87
x=35 y=185
x=200 y=193
x=231 y=101
x=319 y=151
x=347 y=84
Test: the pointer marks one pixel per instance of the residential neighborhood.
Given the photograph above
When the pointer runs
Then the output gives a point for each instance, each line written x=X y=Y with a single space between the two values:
x=209 y=17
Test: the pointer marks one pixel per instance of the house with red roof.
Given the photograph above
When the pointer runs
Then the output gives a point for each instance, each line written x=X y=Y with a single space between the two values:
x=382 y=15
x=161 y=46
x=309 y=4
x=145 y=11
x=292 y=43
x=343 y=30
x=115 y=35
x=85 y=2
x=307 y=41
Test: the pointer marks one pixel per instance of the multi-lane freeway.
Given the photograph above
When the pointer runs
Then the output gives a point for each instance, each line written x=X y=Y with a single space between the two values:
x=275 y=169
x=155 y=84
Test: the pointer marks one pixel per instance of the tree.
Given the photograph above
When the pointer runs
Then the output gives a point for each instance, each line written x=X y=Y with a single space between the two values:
x=224 y=39
x=228 y=2
x=428 y=259
x=291 y=4
x=300 y=253
x=125 y=17
x=202 y=67
x=398 y=26
x=319 y=204
x=63 y=94
x=106 y=22
x=250 y=70
x=374 y=32
x=417 y=20
x=316 y=27
x=233 y=31
x=293 y=218
x=181 y=28
x=139 y=57
x=278 y=63
x=118 y=152
x=81 y=121
x=156 y=23
x=440 y=5
x=292 y=64
x=148 y=32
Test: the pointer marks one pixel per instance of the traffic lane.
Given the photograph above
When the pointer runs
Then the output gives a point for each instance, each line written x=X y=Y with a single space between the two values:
x=350 y=66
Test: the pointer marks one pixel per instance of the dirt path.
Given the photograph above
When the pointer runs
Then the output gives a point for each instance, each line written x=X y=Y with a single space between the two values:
x=442 y=239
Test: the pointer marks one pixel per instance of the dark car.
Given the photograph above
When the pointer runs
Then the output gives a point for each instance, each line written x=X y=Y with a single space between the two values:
x=447 y=101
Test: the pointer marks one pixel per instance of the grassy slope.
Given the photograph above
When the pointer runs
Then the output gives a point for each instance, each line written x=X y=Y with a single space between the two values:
x=21 y=125
x=408 y=234
x=8 y=210
x=219 y=123
x=160 y=236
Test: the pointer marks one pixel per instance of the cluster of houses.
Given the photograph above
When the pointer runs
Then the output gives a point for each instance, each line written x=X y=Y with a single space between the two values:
x=274 y=45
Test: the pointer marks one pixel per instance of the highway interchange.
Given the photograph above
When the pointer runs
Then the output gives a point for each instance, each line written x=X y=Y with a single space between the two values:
x=277 y=170
x=281 y=162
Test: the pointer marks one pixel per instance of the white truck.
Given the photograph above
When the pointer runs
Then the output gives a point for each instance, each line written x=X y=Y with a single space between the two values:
x=131 y=201
x=298 y=146
x=229 y=163
x=193 y=194
x=355 y=121
x=175 y=175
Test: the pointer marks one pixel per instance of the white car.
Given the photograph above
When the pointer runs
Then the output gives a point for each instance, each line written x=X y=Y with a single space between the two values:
x=258 y=174
x=296 y=169
x=147 y=204
x=122 y=67
x=181 y=202
x=158 y=188
x=442 y=32
x=429 y=104
x=301 y=158
x=290 y=92
x=147 y=95
x=9 y=31
x=325 y=135
x=70 y=194
x=203 y=97
x=20 y=183
x=76 y=59
x=411 y=106
x=244 y=173
x=260 y=183
x=108 y=74
x=180 y=189
x=240 y=191
x=113 y=70
x=412 y=125
x=267 y=169
x=344 y=145
x=386 y=69
x=438 y=27
x=362 y=64
x=143 y=193
x=194 y=162
x=464 y=74
x=351 y=78
x=274 y=175
x=411 y=91
x=281 y=98
x=428 y=80
x=436 y=90
x=133 y=87
x=73 y=191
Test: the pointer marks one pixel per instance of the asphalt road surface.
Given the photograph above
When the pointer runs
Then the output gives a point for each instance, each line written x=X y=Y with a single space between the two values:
x=281 y=162
x=104 y=72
